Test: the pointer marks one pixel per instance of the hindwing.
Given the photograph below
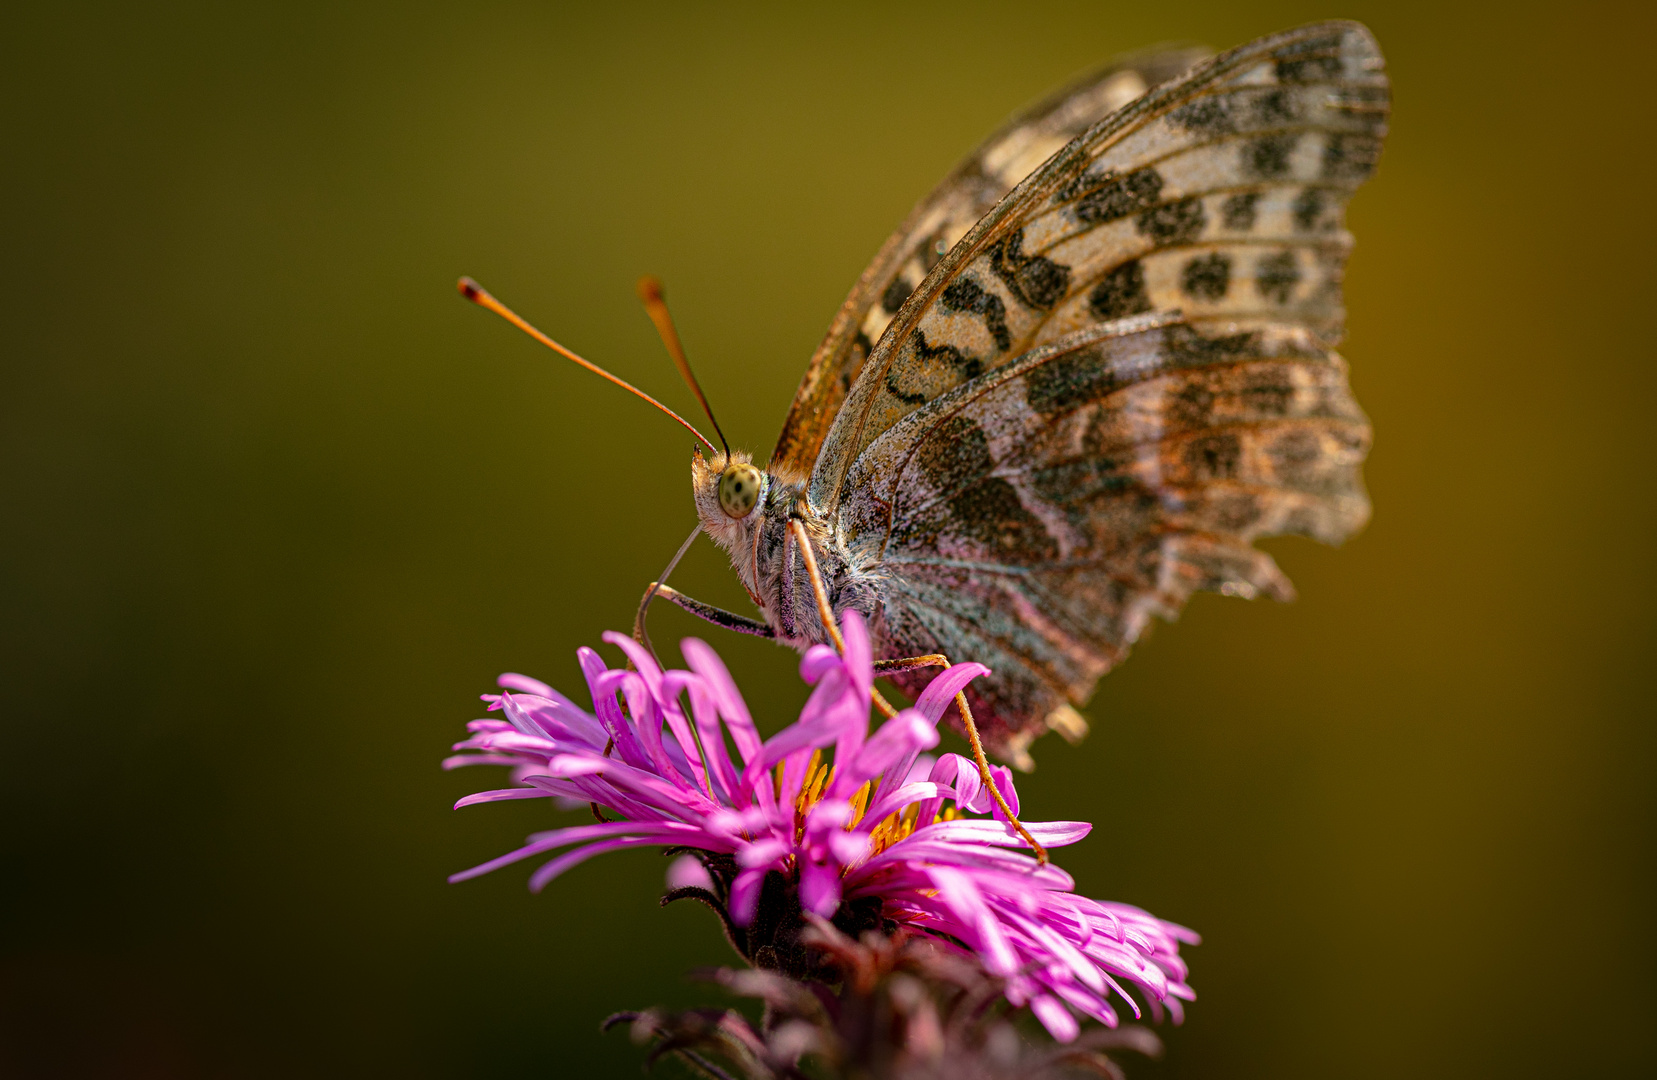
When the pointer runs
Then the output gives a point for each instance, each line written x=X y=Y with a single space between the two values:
x=1036 y=517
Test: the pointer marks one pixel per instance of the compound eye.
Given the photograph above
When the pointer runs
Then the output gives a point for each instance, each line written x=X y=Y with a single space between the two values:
x=739 y=490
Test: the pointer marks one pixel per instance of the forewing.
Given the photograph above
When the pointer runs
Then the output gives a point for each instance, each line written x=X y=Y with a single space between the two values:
x=938 y=222
x=1035 y=518
x=1220 y=194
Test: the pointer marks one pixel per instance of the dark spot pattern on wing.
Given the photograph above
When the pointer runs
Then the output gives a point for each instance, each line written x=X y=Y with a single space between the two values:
x=1216 y=161
x=1249 y=389
x=966 y=295
x=1307 y=209
x=1213 y=159
x=1141 y=466
x=894 y=296
x=955 y=459
x=1268 y=156
x=1070 y=380
x=1276 y=276
x=1214 y=457
x=1191 y=403
x=1119 y=197
x=965 y=368
x=1276 y=107
x=1207 y=116
x=1120 y=293
x=1103 y=500
x=1269 y=391
x=1239 y=210
x=908 y=397
x=1349 y=157
x=990 y=512
x=1188 y=347
x=1037 y=281
x=1207 y=277
x=1313 y=60
x=955 y=453
x=1173 y=223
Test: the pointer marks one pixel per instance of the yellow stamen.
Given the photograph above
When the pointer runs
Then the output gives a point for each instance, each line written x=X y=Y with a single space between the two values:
x=894 y=827
x=897 y=826
x=860 y=804
x=817 y=774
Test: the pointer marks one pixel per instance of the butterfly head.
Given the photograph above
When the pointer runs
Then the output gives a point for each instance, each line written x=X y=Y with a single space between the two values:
x=729 y=490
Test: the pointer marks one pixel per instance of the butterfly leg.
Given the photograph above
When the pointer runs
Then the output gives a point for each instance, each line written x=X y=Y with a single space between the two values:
x=718 y=616
x=826 y=612
x=909 y=663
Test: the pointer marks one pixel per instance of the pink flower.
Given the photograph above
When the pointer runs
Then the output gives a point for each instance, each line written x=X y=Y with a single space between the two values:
x=870 y=838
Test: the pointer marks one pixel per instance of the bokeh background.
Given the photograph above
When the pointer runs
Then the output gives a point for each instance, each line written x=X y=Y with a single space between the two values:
x=276 y=505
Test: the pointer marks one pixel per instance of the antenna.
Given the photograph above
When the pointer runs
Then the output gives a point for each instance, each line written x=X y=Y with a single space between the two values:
x=650 y=291
x=480 y=296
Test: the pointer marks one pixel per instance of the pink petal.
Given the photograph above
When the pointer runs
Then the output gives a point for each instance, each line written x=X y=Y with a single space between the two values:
x=1055 y=1017
x=961 y=895
x=817 y=661
x=819 y=889
x=940 y=692
x=557 y=838
x=745 y=895
x=687 y=872
x=761 y=853
x=706 y=663
x=609 y=713
x=896 y=743
x=977 y=831
x=545 y=874
x=501 y=795
x=1003 y=778
x=716 y=760
x=899 y=800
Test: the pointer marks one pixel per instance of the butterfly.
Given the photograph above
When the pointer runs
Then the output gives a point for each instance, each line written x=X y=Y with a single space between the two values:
x=1091 y=368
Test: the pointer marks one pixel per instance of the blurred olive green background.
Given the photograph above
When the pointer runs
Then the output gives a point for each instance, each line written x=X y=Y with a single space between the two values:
x=276 y=505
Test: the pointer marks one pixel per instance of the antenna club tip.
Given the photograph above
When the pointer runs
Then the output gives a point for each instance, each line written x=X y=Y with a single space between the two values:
x=471 y=290
x=650 y=289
